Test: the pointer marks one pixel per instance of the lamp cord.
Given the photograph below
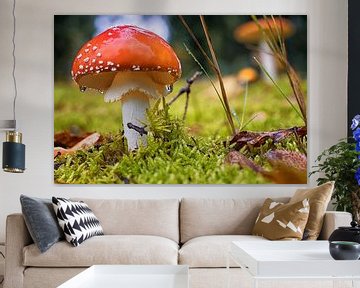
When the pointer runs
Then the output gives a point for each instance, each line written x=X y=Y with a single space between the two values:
x=2 y=280
x=14 y=60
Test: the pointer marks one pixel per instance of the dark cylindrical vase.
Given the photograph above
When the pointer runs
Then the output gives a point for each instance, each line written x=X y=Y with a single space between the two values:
x=13 y=153
x=350 y=234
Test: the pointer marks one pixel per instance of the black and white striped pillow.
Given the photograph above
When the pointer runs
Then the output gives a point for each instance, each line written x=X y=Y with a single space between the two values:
x=77 y=220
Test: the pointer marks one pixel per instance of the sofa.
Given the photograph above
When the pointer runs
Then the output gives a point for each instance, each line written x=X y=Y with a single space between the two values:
x=190 y=231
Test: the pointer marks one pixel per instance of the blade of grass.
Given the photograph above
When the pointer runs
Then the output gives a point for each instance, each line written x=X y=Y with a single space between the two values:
x=249 y=121
x=196 y=41
x=206 y=74
x=233 y=112
x=244 y=105
x=278 y=87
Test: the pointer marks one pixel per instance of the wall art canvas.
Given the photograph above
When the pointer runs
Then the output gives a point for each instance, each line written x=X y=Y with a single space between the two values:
x=160 y=99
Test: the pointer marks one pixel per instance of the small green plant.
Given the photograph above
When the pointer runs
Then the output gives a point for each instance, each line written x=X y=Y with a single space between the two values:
x=339 y=163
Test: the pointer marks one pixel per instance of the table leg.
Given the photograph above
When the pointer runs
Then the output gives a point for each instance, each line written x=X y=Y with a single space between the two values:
x=255 y=283
x=228 y=270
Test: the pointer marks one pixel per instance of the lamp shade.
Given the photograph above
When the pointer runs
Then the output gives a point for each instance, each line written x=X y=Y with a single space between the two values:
x=13 y=153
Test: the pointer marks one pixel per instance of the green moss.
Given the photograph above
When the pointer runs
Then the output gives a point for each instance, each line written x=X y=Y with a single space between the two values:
x=171 y=157
x=190 y=152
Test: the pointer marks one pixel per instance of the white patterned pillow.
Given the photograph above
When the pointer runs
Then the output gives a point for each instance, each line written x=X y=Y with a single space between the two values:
x=77 y=220
x=279 y=221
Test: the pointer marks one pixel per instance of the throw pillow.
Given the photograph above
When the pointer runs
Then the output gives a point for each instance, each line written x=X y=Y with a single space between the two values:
x=279 y=221
x=41 y=222
x=77 y=220
x=319 y=198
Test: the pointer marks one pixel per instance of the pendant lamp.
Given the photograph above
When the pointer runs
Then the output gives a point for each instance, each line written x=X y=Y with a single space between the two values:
x=13 y=155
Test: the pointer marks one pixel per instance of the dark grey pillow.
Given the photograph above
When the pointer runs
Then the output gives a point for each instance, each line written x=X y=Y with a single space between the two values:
x=41 y=221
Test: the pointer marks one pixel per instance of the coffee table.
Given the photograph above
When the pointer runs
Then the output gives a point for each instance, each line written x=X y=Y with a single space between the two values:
x=293 y=260
x=131 y=276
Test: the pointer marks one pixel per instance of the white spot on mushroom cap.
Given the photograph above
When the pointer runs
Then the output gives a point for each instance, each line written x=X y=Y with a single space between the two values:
x=87 y=50
x=86 y=59
x=88 y=45
x=113 y=69
x=79 y=56
x=158 y=67
x=91 y=68
x=93 y=60
x=110 y=34
x=94 y=48
x=98 y=54
x=110 y=63
x=101 y=62
x=81 y=67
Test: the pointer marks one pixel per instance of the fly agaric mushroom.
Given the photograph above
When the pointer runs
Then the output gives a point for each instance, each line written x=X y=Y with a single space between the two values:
x=129 y=64
x=250 y=33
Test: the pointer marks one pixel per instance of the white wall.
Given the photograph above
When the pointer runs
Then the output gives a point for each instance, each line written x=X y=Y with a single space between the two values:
x=327 y=74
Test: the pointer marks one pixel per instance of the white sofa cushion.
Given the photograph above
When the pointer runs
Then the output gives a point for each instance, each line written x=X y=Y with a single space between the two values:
x=211 y=251
x=201 y=217
x=158 y=217
x=107 y=249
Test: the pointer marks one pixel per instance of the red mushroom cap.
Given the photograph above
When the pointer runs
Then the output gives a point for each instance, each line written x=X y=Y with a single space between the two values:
x=124 y=48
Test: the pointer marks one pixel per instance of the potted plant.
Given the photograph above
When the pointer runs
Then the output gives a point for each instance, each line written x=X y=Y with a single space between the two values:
x=341 y=163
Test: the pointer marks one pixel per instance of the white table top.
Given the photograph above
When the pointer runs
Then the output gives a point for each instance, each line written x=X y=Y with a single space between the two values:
x=291 y=259
x=131 y=276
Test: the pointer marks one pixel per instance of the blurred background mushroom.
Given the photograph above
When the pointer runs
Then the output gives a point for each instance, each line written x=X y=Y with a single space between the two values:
x=253 y=33
x=247 y=75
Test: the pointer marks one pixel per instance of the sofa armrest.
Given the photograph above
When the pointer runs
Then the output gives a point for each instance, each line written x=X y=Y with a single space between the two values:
x=333 y=220
x=17 y=237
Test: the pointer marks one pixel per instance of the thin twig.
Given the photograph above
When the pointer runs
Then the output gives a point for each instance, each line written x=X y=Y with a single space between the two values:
x=140 y=130
x=215 y=69
x=187 y=90
x=218 y=72
x=278 y=48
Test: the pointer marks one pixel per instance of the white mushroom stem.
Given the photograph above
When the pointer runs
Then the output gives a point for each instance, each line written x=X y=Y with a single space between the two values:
x=134 y=90
x=134 y=107
x=268 y=61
